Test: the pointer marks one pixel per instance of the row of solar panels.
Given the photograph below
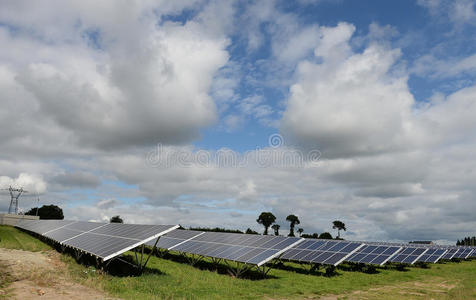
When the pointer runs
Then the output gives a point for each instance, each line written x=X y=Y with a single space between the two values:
x=103 y=240
x=239 y=247
x=109 y=240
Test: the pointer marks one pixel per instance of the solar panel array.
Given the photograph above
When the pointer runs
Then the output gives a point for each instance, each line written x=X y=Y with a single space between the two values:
x=432 y=255
x=473 y=253
x=329 y=252
x=374 y=254
x=174 y=238
x=409 y=255
x=463 y=253
x=104 y=240
x=450 y=253
x=108 y=240
x=244 y=248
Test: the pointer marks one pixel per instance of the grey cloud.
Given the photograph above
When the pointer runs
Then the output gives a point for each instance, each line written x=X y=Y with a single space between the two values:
x=107 y=203
x=77 y=179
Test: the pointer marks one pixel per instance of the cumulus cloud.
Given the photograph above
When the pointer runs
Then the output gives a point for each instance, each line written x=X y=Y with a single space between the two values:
x=350 y=103
x=112 y=95
x=29 y=182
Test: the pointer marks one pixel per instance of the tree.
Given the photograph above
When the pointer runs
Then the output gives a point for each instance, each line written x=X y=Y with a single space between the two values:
x=325 y=235
x=339 y=226
x=310 y=236
x=276 y=228
x=116 y=219
x=266 y=219
x=293 y=221
x=47 y=212
x=300 y=230
x=250 y=231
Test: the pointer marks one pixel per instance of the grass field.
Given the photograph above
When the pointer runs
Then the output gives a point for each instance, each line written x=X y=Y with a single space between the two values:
x=13 y=238
x=172 y=279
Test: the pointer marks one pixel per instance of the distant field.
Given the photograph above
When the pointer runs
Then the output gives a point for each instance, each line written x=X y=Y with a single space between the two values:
x=170 y=279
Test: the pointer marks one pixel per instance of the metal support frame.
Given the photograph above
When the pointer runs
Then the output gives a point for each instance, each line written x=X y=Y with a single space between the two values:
x=193 y=259
x=160 y=252
x=263 y=270
x=78 y=254
x=139 y=258
x=240 y=269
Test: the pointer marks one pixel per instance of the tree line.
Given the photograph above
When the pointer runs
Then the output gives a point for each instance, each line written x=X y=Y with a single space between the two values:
x=268 y=219
x=467 y=241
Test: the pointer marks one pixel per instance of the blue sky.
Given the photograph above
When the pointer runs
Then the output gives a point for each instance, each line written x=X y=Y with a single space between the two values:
x=96 y=97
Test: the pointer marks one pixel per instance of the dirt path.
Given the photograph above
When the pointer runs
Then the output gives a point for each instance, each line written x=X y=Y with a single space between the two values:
x=42 y=275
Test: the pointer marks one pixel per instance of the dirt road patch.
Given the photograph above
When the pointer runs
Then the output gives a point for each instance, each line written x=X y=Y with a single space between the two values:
x=36 y=275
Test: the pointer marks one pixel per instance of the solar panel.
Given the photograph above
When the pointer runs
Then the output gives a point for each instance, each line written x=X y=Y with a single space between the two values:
x=374 y=254
x=409 y=255
x=473 y=253
x=103 y=240
x=42 y=226
x=463 y=253
x=174 y=238
x=244 y=248
x=329 y=252
x=432 y=255
x=450 y=253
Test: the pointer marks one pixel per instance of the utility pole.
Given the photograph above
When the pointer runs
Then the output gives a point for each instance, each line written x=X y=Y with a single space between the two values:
x=15 y=193
x=37 y=205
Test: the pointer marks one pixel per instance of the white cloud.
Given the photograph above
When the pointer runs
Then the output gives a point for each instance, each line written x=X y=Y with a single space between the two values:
x=350 y=104
x=458 y=12
x=29 y=182
x=129 y=92
x=431 y=67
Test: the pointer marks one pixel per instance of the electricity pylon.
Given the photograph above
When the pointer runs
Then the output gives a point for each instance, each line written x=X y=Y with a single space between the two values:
x=14 y=194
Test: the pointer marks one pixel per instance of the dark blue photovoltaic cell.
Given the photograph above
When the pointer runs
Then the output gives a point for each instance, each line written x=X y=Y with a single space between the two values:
x=371 y=254
x=164 y=242
x=62 y=234
x=334 y=259
x=463 y=253
x=451 y=252
x=84 y=226
x=252 y=249
x=409 y=255
x=380 y=259
x=321 y=251
x=174 y=238
x=473 y=253
x=42 y=226
x=432 y=255
x=100 y=239
x=262 y=256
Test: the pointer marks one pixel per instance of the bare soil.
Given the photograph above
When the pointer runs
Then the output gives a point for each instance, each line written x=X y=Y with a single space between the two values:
x=41 y=275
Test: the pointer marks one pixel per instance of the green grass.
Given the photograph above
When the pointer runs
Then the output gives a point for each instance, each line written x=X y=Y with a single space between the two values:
x=12 y=238
x=170 y=279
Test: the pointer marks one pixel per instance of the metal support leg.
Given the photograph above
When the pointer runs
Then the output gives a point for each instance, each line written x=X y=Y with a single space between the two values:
x=263 y=270
x=148 y=257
